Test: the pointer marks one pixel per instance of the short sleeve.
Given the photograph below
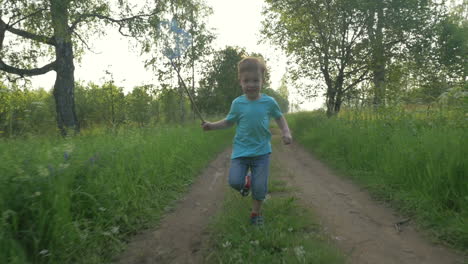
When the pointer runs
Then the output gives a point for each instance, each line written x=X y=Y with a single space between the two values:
x=275 y=110
x=233 y=115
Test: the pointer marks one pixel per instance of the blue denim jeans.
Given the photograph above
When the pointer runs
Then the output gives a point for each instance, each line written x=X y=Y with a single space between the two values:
x=260 y=168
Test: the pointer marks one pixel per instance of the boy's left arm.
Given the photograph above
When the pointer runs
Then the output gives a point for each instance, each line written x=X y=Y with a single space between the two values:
x=283 y=125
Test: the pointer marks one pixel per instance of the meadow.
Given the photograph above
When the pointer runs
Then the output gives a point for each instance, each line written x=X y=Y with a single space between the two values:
x=415 y=160
x=79 y=199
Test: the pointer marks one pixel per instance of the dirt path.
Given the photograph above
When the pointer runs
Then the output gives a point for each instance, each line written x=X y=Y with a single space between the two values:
x=363 y=229
x=179 y=236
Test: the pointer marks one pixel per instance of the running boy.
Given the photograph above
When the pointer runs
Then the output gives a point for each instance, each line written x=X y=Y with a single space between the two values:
x=251 y=113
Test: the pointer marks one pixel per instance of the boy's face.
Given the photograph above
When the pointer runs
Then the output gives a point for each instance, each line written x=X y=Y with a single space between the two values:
x=251 y=83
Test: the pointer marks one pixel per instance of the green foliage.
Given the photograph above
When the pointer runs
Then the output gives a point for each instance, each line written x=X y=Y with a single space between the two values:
x=326 y=41
x=103 y=105
x=139 y=104
x=220 y=85
x=283 y=89
x=77 y=200
x=365 y=52
x=32 y=112
x=453 y=47
x=24 y=111
x=58 y=31
x=415 y=159
x=173 y=105
x=439 y=61
x=282 y=102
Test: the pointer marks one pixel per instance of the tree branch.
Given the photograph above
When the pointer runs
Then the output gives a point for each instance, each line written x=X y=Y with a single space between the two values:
x=27 y=72
x=2 y=33
x=28 y=35
x=30 y=15
x=358 y=80
x=120 y=22
x=84 y=42
x=354 y=71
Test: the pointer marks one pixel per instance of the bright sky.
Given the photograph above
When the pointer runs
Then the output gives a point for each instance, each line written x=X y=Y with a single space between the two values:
x=236 y=23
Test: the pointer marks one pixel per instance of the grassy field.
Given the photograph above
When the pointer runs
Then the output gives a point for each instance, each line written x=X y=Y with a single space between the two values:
x=418 y=161
x=77 y=200
x=290 y=234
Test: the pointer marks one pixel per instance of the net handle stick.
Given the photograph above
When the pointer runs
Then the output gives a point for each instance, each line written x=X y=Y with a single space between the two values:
x=188 y=93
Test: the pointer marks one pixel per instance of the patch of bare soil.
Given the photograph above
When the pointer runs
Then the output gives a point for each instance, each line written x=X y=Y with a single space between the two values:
x=365 y=230
x=180 y=235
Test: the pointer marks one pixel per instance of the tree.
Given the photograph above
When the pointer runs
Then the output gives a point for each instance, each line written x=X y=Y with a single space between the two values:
x=438 y=63
x=220 y=85
x=326 y=39
x=139 y=104
x=188 y=55
x=57 y=30
x=283 y=89
x=392 y=27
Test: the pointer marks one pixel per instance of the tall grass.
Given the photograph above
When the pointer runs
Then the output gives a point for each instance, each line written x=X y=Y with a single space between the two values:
x=77 y=200
x=417 y=160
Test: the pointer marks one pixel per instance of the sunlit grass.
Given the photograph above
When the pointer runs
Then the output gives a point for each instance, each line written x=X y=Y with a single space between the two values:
x=417 y=161
x=77 y=200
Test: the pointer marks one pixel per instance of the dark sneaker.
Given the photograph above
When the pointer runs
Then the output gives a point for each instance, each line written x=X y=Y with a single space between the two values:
x=256 y=220
x=246 y=190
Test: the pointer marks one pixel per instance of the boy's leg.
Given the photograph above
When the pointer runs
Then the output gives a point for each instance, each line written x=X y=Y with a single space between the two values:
x=260 y=171
x=237 y=172
x=256 y=206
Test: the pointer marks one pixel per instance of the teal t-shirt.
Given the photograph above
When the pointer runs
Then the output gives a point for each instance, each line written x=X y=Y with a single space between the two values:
x=253 y=125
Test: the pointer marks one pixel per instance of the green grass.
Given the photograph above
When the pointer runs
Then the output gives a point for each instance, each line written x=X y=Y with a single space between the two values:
x=290 y=233
x=418 y=162
x=78 y=200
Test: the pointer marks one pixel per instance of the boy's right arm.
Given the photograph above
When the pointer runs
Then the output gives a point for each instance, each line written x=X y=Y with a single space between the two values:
x=222 y=124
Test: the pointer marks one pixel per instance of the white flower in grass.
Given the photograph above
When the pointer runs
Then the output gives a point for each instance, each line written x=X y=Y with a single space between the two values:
x=68 y=147
x=102 y=209
x=255 y=242
x=20 y=171
x=115 y=230
x=63 y=165
x=226 y=244
x=299 y=251
x=44 y=252
x=42 y=171
x=290 y=229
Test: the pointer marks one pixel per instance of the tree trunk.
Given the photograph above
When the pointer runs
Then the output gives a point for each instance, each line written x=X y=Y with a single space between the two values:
x=64 y=89
x=338 y=102
x=65 y=82
x=379 y=84
x=331 y=94
x=181 y=102
x=378 y=59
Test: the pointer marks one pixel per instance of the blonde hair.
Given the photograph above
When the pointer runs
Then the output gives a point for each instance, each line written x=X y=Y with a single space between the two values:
x=251 y=64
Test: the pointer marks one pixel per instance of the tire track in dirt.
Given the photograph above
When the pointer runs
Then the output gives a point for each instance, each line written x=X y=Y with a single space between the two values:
x=363 y=229
x=182 y=232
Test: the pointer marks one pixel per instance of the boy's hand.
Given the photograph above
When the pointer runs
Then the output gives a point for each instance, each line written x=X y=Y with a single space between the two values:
x=287 y=138
x=206 y=126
